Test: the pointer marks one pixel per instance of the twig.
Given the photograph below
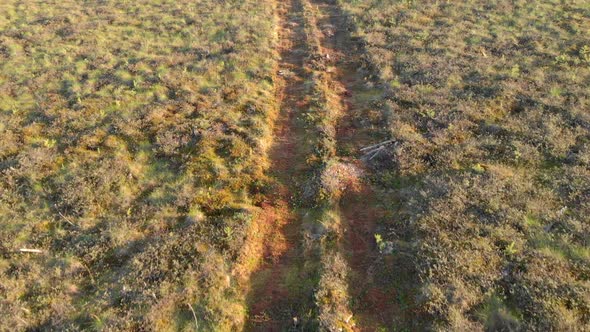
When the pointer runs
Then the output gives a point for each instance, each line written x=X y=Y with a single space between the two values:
x=194 y=315
x=33 y=251
x=66 y=219
x=21 y=320
x=348 y=318
x=89 y=273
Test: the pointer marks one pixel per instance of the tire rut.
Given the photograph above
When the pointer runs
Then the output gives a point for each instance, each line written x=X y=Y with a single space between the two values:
x=378 y=284
x=280 y=295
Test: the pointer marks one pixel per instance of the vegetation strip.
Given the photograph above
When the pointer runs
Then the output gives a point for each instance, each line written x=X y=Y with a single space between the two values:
x=133 y=156
x=491 y=167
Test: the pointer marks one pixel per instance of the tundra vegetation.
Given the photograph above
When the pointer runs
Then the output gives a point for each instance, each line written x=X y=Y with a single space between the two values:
x=489 y=104
x=138 y=141
x=133 y=141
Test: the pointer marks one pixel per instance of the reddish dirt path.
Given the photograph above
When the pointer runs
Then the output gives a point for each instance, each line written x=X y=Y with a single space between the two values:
x=281 y=282
x=280 y=294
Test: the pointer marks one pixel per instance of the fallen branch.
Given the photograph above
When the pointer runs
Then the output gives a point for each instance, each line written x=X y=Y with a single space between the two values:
x=372 y=154
x=376 y=152
x=374 y=149
x=371 y=147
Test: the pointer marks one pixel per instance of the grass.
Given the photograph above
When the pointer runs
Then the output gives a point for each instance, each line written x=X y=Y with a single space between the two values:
x=134 y=139
x=488 y=105
x=497 y=316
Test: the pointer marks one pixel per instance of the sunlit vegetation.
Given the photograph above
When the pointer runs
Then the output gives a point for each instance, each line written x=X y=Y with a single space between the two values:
x=488 y=101
x=133 y=138
x=135 y=164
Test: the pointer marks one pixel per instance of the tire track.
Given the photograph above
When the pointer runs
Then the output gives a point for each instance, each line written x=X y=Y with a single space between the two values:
x=280 y=295
x=321 y=262
x=379 y=286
